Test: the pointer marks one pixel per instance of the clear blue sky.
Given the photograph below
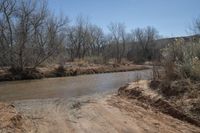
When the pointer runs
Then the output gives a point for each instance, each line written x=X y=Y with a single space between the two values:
x=170 y=17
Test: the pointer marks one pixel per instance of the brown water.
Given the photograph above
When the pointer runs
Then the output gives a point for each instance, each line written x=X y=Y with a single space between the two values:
x=67 y=87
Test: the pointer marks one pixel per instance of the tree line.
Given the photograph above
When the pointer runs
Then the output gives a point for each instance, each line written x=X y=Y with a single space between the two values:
x=30 y=34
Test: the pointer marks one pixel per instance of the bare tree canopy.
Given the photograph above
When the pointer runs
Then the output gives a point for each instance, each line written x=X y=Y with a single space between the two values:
x=29 y=33
x=118 y=37
x=144 y=39
x=84 y=39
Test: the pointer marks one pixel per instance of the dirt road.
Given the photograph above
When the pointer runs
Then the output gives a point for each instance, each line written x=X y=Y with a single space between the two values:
x=98 y=113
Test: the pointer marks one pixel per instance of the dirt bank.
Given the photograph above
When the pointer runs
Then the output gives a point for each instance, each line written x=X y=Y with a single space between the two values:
x=71 y=69
x=142 y=94
x=96 y=114
x=74 y=69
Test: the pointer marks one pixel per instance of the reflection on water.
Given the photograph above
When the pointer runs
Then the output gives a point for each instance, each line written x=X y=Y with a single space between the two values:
x=68 y=86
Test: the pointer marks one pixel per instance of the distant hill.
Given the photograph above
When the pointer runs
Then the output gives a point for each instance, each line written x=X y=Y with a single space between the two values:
x=186 y=38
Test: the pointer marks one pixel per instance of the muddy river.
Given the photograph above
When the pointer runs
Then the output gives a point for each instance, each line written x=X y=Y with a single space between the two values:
x=67 y=87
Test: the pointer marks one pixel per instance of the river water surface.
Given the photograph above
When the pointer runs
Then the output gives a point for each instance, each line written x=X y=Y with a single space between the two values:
x=67 y=87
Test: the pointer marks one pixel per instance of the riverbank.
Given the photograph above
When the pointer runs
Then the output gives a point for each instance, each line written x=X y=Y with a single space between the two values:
x=179 y=100
x=71 y=69
x=95 y=113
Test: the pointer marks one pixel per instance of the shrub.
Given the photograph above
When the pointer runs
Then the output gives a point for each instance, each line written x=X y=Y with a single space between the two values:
x=19 y=74
x=174 y=88
x=181 y=60
x=60 y=71
x=15 y=70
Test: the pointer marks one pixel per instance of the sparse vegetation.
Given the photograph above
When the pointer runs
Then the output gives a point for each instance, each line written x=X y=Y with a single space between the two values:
x=179 y=84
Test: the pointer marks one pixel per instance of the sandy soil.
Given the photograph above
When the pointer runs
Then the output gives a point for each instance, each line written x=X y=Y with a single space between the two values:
x=98 y=113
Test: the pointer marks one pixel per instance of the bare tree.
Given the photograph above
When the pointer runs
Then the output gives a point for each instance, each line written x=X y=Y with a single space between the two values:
x=118 y=38
x=84 y=39
x=96 y=39
x=7 y=12
x=145 y=39
x=196 y=26
x=51 y=40
x=29 y=33
x=75 y=38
